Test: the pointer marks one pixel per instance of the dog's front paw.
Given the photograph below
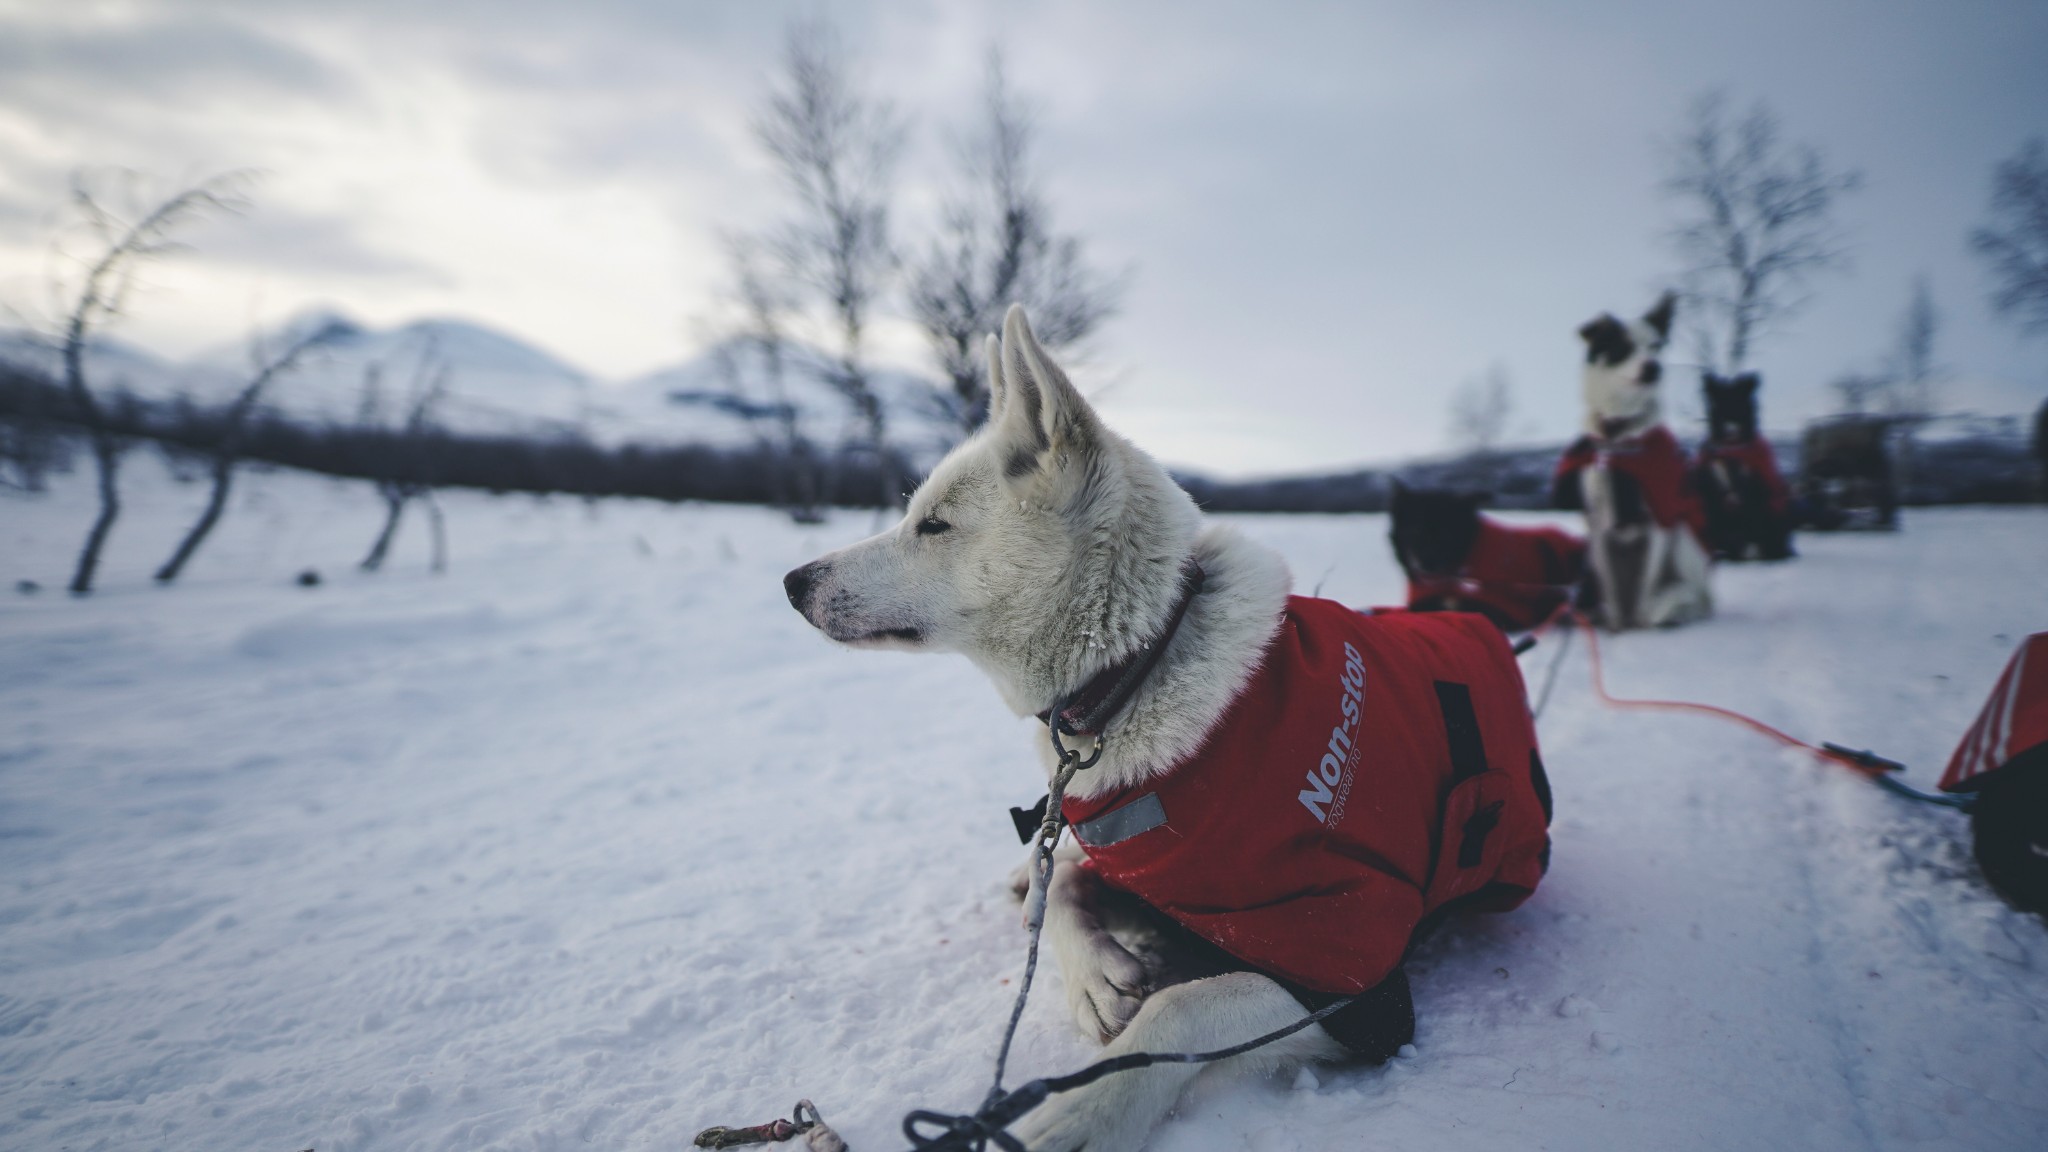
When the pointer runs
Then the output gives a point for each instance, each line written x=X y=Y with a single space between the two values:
x=1106 y=985
x=1058 y=1125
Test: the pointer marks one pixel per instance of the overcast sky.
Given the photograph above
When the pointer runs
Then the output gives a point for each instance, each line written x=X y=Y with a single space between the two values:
x=1333 y=213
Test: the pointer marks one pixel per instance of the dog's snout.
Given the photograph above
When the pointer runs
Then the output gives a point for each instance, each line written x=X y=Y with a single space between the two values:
x=1652 y=372
x=799 y=583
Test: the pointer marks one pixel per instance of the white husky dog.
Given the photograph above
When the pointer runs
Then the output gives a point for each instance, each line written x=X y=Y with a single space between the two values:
x=1629 y=475
x=1046 y=548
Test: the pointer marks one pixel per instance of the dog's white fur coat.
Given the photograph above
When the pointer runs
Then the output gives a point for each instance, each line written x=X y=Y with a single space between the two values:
x=1046 y=548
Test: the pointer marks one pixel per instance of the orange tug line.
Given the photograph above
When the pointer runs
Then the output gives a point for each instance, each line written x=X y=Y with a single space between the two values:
x=1876 y=771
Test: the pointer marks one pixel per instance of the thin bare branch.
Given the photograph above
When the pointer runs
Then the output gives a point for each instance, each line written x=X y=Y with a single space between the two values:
x=997 y=246
x=1756 y=225
x=2014 y=242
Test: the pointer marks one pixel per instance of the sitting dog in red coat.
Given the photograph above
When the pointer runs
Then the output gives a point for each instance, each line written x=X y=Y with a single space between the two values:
x=1282 y=792
x=1644 y=523
x=1458 y=560
x=1748 y=505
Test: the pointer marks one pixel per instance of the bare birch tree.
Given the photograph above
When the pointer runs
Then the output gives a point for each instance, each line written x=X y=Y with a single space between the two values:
x=1756 y=225
x=997 y=247
x=234 y=424
x=765 y=309
x=122 y=244
x=1912 y=370
x=2014 y=243
x=1481 y=408
x=837 y=146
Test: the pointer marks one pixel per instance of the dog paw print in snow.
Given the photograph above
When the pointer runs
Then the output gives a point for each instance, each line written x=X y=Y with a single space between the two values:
x=1574 y=1006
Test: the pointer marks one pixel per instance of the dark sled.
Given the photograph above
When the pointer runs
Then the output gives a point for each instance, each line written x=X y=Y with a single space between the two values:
x=2003 y=760
x=1846 y=475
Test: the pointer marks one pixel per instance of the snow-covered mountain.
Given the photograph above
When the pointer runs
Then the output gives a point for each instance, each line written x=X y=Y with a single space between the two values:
x=727 y=395
x=498 y=384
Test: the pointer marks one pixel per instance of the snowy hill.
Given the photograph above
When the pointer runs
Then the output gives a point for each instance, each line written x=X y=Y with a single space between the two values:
x=498 y=384
x=725 y=396
x=495 y=383
x=591 y=843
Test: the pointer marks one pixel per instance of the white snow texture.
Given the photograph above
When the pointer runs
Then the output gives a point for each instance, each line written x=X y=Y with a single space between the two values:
x=592 y=842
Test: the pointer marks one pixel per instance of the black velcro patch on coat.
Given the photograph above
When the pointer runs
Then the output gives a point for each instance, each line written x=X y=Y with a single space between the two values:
x=1461 y=730
x=1480 y=825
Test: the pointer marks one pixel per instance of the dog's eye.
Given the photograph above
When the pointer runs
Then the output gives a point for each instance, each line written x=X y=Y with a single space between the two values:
x=932 y=526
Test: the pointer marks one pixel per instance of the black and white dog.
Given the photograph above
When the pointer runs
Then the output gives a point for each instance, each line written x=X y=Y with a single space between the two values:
x=1644 y=524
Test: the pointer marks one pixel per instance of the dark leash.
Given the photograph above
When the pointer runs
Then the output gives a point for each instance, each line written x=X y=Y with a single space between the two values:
x=930 y=1131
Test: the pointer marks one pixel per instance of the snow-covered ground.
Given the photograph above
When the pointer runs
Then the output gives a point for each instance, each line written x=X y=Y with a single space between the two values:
x=591 y=842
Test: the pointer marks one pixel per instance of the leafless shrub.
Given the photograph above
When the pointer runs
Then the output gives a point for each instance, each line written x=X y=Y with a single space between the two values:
x=400 y=488
x=2015 y=241
x=997 y=246
x=227 y=450
x=1756 y=225
x=1481 y=409
x=836 y=147
x=121 y=243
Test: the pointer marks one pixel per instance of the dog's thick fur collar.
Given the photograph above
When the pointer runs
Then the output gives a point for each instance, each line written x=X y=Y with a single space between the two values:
x=1213 y=656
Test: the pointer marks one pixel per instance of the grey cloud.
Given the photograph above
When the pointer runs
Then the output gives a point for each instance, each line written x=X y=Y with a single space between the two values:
x=278 y=238
x=159 y=58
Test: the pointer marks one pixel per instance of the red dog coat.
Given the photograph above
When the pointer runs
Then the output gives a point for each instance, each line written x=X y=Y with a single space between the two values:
x=1375 y=769
x=1754 y=454
x=1658 y=466
x=2014 y=721
x=1519 y=576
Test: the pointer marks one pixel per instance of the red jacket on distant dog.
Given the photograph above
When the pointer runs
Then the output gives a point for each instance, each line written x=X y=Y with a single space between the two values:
x=1375 y=769
x=1518 y=576
x=1754 y=454
x=1658 y=466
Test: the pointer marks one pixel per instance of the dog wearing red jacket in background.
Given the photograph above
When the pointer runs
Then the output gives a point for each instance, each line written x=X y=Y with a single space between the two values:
x=1458 y=560
x=1748 y=505
x=1645 y=526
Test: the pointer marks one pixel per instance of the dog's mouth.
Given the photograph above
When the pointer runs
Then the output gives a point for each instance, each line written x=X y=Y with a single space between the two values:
x=898 y=637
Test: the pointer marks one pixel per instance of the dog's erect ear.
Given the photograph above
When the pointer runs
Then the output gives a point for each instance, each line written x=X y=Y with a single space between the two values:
x=1041 y=422
x=1749 y=382
x=1711 y=382
x=1659 y=317
x=992 y=355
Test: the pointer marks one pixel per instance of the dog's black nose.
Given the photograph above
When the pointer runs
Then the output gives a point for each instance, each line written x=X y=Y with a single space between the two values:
x=1652 y=372
x=798 y=584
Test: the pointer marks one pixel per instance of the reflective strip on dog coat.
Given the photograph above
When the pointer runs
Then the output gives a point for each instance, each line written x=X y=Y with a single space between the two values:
x=1373 y=770
x=2014 y=720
